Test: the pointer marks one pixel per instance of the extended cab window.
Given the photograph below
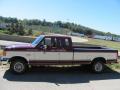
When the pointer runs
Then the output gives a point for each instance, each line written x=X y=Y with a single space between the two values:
x=67 y=44
x=54 y=42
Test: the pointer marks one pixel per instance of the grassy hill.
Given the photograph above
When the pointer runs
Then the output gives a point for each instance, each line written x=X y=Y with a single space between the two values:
x=23 y=27
x=110 y=44
x=46 y=29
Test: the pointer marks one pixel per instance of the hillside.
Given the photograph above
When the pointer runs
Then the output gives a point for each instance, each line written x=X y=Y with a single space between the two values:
x=11 y=26
x=46 y=29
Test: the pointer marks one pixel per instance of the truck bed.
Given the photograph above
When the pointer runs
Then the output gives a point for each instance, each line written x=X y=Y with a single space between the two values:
x=92 y=49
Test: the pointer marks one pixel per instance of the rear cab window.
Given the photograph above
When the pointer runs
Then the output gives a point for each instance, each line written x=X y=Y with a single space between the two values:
x=66 y=43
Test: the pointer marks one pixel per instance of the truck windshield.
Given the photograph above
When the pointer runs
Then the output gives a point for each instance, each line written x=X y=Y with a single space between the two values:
x=37 y=40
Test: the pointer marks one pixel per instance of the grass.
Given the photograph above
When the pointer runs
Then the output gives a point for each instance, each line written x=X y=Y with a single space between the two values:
x=115 y=66
x=110 y=44
x=3 y=31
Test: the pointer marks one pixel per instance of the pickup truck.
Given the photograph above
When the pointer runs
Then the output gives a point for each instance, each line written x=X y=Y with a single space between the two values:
x=57 y=50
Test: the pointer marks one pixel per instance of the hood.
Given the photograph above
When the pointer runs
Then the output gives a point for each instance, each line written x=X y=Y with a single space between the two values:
x=19 y=46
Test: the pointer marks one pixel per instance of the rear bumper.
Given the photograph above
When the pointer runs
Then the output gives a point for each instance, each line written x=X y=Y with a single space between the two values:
x=112 y=61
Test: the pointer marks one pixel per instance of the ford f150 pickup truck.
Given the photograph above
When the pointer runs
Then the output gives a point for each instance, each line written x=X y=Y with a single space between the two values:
x=57 y=50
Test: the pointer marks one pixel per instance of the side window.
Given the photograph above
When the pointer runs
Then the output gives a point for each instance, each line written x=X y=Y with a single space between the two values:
x=48 y=41
x=67 y=44
x=54 y=42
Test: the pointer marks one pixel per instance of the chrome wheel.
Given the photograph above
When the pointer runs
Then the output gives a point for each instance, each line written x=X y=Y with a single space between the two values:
x=98 y=67
x=19 y=67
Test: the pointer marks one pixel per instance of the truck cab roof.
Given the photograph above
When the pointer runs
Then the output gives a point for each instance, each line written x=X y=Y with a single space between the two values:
x=60 y=36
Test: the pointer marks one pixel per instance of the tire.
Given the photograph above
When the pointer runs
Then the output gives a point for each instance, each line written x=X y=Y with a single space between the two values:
x=98 y=67
x=18 y=66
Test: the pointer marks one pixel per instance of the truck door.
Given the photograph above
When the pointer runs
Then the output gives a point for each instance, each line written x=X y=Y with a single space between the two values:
x=66 y=53
x=48 y=51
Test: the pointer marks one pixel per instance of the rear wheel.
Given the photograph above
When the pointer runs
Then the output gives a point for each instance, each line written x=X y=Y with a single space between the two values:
x=98 y=66
x=18 y=66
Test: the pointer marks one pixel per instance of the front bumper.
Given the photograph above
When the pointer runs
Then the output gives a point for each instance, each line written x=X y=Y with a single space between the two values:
x=4 y=60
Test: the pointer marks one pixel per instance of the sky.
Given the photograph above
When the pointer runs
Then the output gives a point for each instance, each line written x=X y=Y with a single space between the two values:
x=102 y=15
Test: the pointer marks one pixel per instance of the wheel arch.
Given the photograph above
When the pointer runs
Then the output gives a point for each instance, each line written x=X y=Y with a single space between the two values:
x=99 y=59
x=17 y=57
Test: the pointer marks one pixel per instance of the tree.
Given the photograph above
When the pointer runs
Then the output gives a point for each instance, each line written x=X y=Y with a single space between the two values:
x=30 y=32
x=16 y=28
x=44 y=22
x=89 y=32
x=108 y=34
x=20 y=29
x=11 y=28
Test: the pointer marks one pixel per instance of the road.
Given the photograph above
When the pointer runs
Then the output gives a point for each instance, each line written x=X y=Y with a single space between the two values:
x=56 y=78
x=6 y=43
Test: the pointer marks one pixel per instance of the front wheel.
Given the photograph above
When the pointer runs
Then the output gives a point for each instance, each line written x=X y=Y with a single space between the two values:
x=18 y=66
x=97 y=66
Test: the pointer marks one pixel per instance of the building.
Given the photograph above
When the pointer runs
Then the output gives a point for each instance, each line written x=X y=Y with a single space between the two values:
x=109 y=38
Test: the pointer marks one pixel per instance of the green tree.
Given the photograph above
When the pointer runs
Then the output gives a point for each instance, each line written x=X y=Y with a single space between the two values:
x=30 y=32
x=11 y=28
x=89 y=32
x=108 y=34
x=44 y=22
x=20 y=29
